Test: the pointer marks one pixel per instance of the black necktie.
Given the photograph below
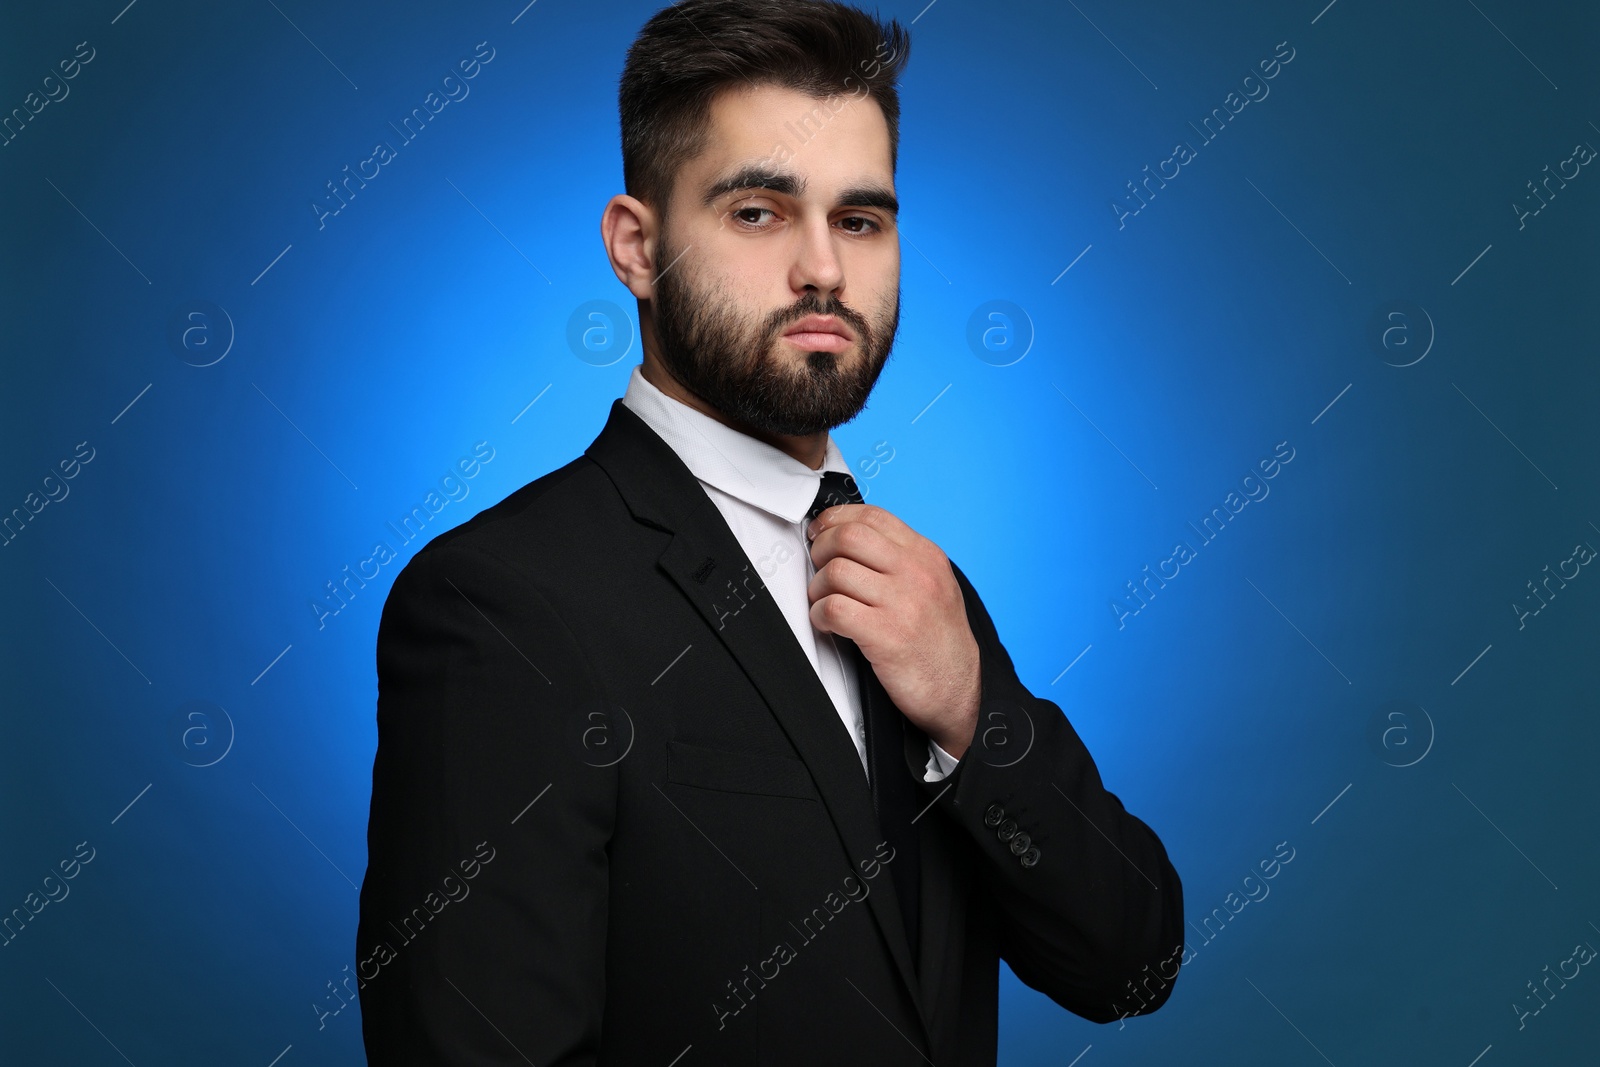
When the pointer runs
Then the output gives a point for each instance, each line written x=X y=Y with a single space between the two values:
x=894 y=795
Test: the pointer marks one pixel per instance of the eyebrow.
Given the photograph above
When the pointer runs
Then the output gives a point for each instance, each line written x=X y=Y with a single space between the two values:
x=756 y=176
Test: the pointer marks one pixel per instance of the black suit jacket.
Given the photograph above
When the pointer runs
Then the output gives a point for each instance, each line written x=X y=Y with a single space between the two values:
x=616 y=818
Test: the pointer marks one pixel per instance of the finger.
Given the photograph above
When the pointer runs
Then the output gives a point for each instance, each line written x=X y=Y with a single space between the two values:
x=885 y=522
x=861 y=542
x=851 y=579
x=837 y=613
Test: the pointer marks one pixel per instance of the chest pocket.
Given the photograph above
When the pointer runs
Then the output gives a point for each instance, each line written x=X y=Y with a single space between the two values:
x=738 y=772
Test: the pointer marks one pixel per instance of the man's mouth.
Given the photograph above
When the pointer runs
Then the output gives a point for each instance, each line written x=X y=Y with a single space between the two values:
x=821 y=333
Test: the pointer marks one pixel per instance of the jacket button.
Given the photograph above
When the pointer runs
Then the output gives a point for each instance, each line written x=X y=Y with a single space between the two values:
x=1020 y=844
x=1007 y=831
x=1030 y=857
x=992 y=817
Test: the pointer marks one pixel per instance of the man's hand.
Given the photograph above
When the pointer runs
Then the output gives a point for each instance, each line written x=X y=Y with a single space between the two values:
x=892 y=592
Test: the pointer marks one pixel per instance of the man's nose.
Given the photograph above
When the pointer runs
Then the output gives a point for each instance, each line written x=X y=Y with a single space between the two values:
x=816 y=262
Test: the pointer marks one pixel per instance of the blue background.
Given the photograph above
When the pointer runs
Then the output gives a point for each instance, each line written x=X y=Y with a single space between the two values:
x=1343 y=669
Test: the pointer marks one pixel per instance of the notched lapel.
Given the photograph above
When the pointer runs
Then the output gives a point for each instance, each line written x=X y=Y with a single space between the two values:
x=706 y=562
x=759 y=638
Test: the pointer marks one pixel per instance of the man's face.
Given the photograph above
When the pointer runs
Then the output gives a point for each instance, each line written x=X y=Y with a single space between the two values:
x=788 y=214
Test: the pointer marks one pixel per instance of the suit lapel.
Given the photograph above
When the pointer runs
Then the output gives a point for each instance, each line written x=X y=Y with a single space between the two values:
x=708 y=565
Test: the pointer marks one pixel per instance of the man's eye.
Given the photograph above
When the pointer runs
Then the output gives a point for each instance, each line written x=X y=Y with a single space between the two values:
x=868 y=225
x=746 y=210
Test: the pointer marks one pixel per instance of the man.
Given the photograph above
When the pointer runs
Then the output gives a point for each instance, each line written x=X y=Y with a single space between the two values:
x=667 y=774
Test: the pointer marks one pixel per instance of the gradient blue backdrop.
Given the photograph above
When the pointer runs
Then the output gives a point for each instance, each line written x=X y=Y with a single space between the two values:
x=1343 y=672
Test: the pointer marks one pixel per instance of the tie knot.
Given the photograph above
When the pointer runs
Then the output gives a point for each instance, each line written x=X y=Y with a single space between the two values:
x=836 y=488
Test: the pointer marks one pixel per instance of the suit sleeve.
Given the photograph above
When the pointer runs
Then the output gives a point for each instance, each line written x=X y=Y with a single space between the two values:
x=483 y=916
x=1088 y=907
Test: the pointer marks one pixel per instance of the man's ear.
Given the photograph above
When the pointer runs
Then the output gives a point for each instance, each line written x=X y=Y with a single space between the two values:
x=630 y=231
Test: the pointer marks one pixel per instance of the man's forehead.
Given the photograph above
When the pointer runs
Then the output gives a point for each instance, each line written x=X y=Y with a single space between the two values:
x=772 y=137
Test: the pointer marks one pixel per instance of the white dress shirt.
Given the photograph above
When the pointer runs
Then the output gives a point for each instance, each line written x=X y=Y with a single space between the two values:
x=764 y=495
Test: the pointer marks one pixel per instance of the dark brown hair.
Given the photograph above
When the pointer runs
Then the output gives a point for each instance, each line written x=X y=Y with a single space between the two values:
x=689 y=52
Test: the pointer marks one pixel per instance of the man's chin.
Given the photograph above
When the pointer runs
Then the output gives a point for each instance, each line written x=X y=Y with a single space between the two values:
x=767 y=426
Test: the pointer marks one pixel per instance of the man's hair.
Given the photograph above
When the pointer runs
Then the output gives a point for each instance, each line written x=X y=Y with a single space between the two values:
x=688 y=53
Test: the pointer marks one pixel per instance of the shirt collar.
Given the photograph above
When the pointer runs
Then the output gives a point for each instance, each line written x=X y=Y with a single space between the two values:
x=736 y=463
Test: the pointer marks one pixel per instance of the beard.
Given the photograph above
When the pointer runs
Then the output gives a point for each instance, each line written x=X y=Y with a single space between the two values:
x=734 y=361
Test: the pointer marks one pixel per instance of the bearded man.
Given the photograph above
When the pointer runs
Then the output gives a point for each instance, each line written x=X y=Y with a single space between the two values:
x=757 y=780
